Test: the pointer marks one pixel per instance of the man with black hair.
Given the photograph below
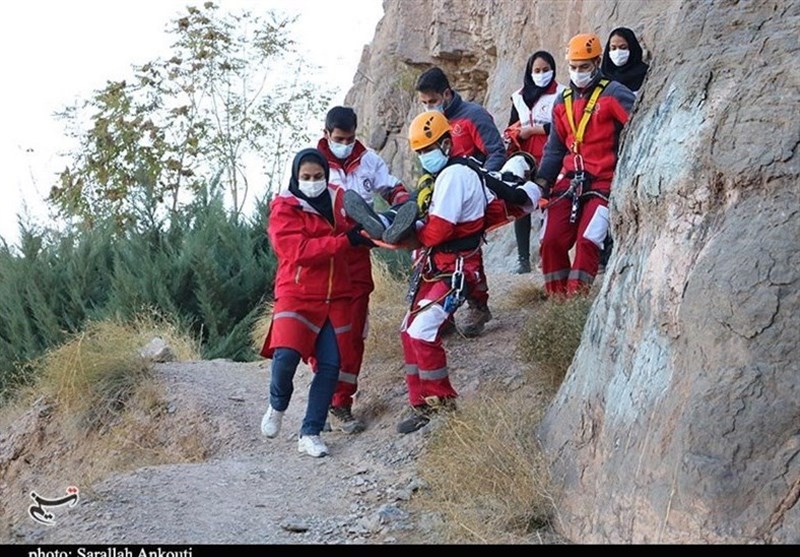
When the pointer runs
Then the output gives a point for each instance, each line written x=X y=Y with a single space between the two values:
x=361 y=170
x=474 y=134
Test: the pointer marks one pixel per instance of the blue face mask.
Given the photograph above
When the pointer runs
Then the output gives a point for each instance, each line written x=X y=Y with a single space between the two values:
x=340 y=150
x=433 y=161
x=441 y=107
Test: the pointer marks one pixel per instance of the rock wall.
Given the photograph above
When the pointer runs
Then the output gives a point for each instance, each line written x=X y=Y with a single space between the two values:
x=483 y=47
x=679 y=420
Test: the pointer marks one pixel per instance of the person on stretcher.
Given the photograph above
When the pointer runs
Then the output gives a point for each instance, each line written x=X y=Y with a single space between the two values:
x=509 y=195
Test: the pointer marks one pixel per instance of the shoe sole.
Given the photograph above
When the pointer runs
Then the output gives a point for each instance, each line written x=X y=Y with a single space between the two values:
x=411 y=428
x=303 y=451
x=402 y=223
x=360 y=211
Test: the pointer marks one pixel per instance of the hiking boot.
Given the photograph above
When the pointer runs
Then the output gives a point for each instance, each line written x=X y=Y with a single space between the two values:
x=271 y=422
x=342 y=418
x=360 y=211
x=403 y=223
x=523 y=267
x=419 y=418
x=422 y=414
x=476 y=318
x=312 y=445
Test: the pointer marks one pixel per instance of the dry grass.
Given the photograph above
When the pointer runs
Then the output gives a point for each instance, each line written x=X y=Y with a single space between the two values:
x=92 y=376
x=486 y=476
x=387 y=306
x=95 y=408
x=525 y=295
x=550 y=338
x=152 y=324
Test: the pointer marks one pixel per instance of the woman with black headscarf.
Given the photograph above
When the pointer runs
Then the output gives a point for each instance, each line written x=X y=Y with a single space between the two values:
x=528 y=128
x=622 y=62
x=622 y=59
x=311 y=237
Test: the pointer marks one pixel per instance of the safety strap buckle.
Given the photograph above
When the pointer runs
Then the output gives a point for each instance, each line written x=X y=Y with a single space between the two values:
x=457 y=279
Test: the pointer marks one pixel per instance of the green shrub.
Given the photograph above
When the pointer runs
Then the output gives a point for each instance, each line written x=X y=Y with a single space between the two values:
x=209 y=271
x=550 y=338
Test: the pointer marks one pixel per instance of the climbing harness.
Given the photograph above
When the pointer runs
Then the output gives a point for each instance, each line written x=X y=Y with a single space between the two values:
x=455 y=295
x=580 y=179
x=578 y=132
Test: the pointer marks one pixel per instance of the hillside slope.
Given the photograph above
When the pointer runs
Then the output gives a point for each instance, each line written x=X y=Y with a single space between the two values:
x=252 y=490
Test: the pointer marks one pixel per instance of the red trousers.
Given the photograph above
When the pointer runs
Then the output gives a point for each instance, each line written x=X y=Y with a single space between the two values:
x=559 y=236
x=351 y=362
x=423 y=351
x=352 y=356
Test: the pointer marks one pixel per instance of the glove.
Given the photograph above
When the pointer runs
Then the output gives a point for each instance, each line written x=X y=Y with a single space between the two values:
x=511 y=138
x=520 y=165
x=356 y=239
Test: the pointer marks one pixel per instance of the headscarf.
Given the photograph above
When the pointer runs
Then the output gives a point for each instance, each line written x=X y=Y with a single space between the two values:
x=530 y=92
x=632 y=73
x=322 y=203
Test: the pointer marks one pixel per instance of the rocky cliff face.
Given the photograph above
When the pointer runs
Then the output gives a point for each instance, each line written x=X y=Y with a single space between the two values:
x=679 y=420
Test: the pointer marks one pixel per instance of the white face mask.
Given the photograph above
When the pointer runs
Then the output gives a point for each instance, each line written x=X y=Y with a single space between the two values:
x=619 y=56
x=581 y=79
x=311 y=188
x=340 y=150
x=542 y=79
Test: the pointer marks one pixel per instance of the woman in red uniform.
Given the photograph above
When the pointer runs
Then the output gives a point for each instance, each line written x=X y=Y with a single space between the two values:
x=528 y=127
x=312 y=238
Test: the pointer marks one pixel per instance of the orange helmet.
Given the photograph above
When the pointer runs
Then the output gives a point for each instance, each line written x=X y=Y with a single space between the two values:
x=585 y=46
x=426 y=129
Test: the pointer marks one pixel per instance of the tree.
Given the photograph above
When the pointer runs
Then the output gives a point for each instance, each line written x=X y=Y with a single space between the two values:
x=199 y=118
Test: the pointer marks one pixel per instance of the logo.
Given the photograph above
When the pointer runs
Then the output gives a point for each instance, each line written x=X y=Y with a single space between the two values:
x=367 y=184
x=42 y=516
x=457 y=129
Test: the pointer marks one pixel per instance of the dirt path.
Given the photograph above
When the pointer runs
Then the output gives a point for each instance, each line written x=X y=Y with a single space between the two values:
x=254 y=490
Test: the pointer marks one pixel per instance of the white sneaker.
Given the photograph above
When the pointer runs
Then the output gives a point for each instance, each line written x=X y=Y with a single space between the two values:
x=312 y=445
x=271 y=422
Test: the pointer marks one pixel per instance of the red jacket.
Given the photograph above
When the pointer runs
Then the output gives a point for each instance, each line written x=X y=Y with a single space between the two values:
x=600 y=140
x=312 y=254
x=474 y=133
